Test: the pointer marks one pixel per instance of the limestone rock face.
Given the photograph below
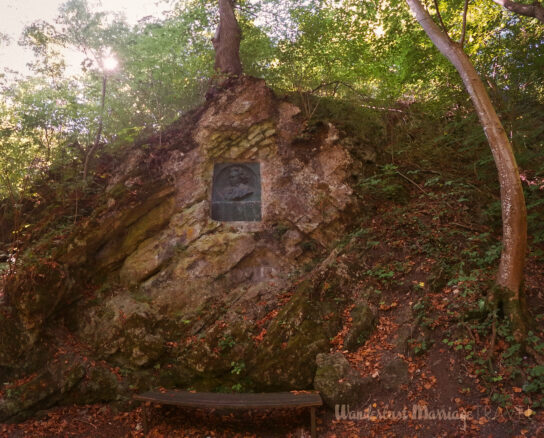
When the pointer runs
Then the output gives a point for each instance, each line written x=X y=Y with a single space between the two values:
x=176 y=249
x=181 y=259
x=180 y=299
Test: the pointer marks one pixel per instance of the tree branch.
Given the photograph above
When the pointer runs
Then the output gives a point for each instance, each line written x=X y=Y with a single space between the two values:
x=440 y=18
x=358 y=93
x=410 y=181
x=535 y=10
x=463 y=32
x=323 y=85
x=246 y=10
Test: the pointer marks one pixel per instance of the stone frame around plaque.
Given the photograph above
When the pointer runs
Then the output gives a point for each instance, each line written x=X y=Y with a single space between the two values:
x=236 y=192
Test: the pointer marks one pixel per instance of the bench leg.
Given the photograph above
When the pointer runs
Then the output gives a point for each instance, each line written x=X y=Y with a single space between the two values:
x=145 y=421
x=312 y=423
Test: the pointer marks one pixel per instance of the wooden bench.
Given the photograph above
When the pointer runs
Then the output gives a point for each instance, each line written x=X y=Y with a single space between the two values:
x=274 y=400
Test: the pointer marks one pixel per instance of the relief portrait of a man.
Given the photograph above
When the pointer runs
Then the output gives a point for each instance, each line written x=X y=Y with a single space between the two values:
x=238 y=188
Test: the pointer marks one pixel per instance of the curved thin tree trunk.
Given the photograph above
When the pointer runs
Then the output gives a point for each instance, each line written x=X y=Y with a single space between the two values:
x=226 y=41
x=514 y=216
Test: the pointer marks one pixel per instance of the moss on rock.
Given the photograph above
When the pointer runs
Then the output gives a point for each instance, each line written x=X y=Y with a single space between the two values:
x=14 y=340
x=41 y=390
x=338 y=382
x=299 y=332
x=362 y=325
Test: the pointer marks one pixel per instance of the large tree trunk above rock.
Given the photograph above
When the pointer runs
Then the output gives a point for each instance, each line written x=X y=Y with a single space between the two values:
x=226 y=41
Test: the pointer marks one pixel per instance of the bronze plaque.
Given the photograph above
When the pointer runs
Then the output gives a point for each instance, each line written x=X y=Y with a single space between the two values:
x=236 y=192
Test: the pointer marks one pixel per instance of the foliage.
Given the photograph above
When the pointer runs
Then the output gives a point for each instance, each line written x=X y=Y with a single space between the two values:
x=369 y=52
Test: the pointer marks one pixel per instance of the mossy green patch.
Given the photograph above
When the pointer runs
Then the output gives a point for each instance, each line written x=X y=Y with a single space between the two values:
x=286 y=359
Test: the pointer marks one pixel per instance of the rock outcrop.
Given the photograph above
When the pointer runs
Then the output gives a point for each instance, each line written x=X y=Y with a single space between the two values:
x=338 y=382
x=158 y=293
x=363 y=322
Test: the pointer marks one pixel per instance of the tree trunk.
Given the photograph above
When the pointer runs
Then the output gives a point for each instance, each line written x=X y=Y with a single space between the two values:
x=509 y=280
x=226 y=41
x=536 y=10
x=94 y=147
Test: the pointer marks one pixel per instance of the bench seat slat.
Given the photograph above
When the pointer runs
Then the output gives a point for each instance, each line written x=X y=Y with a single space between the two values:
x=232 y=401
